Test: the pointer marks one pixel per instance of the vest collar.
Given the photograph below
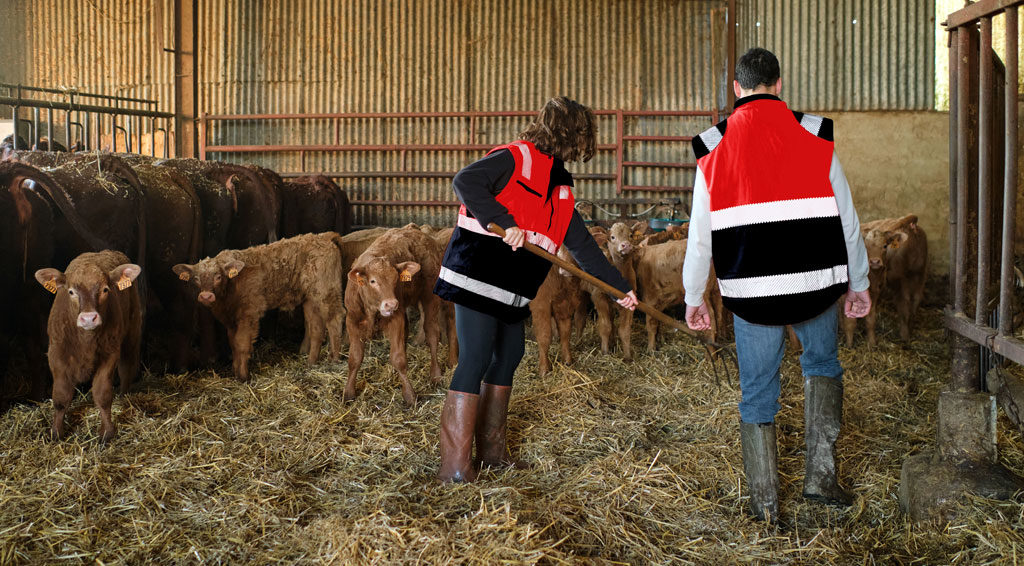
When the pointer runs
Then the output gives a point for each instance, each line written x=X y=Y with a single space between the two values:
x=753 y=97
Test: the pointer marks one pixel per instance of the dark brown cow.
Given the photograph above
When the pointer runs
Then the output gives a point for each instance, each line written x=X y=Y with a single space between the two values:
x=558 y=298
x=396 y=272
x=239 y=286
x=314 y=204
x=108 y=197
x=26 y=245
x=273 y=197
x=95 y=325
x=174 y=235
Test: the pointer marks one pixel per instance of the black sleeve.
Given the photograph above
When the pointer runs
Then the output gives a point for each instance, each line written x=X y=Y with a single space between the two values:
x=478 y=183
x=586 y=252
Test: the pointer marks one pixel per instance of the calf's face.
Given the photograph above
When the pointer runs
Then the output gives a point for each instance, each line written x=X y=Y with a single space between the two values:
x=377 y=281
x=210 y=276
x=620 y=239
x=88 y=289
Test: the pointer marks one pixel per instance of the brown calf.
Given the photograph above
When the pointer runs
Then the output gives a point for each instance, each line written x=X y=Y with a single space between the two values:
x=619 y=249
x=875 y=242
x=396 y=272
x=95 y=324
x=906 y=263
x=558 y=298
x=239 y=286
x=659 y=273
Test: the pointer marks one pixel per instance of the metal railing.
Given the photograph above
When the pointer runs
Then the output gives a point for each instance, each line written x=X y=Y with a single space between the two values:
x=88 y=118
x=617 y=174
x=973 y=148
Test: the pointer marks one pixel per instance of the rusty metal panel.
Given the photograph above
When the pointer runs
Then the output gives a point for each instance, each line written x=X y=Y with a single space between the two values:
x=847 y=54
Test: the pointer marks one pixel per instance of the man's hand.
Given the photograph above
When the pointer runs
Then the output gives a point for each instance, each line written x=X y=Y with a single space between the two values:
x=514 y=237
x=857 y=304
x=697 y=318
x=629 y=301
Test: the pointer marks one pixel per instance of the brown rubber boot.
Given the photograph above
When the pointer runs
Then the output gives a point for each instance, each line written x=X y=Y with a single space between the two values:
x=491 y=427
x=760 y=465
x=458 y=420
x=823 y=412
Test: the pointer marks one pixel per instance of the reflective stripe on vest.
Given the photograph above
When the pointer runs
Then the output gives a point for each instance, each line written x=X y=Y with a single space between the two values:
x=536 y=238
x=483 y=289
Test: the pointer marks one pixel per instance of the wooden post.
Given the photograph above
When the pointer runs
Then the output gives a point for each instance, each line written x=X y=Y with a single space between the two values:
x=185 y=84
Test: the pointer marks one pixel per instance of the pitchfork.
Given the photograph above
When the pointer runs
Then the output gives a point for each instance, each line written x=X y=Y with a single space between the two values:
x=713 y=349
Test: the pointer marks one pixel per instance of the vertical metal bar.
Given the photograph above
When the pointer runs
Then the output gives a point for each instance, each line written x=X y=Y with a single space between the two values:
x=14 y=119
x=49 y=129
x=186 y=13
x=35 y=128
x=113 y=133
x=99 y=131
x=619 y=126
x=1009 y=173
x=954 y=157
x=67 y=125
x=167 y=135
x=985 y=95
x=963 y=96
x=86 y=137
x=202 y=138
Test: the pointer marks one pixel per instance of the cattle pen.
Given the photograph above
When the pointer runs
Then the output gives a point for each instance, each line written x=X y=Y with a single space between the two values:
x=213 y=144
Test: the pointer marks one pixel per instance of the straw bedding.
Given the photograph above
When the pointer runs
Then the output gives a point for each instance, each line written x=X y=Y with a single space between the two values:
x=631 y=463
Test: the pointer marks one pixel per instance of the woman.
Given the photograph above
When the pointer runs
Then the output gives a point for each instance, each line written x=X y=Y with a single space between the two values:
x=524 y=188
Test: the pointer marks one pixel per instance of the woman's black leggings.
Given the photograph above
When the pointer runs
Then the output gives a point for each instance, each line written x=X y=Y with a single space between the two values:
x=489 y=349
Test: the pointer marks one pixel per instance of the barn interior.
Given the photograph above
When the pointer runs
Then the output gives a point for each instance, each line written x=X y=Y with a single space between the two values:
x=630 y=461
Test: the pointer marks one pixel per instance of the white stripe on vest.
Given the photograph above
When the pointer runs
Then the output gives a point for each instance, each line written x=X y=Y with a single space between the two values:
x=527 y=159
x=785 y=284
x=536 y=238
x=775 y=211
x=483 y=289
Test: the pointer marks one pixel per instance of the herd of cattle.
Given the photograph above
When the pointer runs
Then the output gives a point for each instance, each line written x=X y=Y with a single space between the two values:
x=182 y=243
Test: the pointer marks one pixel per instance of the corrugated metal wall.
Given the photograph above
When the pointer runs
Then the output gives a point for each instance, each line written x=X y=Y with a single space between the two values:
x=433 y=55
x=847 y=54
x=414 y=55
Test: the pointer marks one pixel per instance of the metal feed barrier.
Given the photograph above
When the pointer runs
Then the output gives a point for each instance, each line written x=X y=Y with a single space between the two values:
x=88 y=119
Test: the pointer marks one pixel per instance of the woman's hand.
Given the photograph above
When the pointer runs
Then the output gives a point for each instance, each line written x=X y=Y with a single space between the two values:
x=514 y=237
x=629 y=301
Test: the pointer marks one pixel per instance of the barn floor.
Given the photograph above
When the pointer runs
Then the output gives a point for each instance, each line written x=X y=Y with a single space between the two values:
x=632 y=463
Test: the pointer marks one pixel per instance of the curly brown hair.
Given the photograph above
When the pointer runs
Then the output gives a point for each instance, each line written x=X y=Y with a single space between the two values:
x=564 y=129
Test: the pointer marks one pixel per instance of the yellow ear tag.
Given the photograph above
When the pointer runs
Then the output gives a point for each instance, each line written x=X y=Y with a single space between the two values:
x=232 y=273
x=406 y=276
x=895 y=244
x=124 y=282
x=51 y=286
x=184 y=276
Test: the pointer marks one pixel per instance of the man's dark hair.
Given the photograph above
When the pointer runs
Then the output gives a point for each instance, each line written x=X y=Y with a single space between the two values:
x=757 y=66
x=564 y=129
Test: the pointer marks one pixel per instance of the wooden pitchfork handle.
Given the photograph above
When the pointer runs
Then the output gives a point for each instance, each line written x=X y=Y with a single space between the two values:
x=651 y=311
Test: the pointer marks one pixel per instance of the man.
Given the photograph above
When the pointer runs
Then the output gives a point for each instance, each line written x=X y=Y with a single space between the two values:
x=772 y=207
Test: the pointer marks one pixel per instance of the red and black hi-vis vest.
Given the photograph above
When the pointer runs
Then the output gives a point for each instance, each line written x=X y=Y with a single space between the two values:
x=479 y=270
x=776 y=235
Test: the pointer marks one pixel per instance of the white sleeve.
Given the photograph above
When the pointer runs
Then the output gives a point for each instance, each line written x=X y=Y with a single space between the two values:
x=856 y=254
x=697 y=264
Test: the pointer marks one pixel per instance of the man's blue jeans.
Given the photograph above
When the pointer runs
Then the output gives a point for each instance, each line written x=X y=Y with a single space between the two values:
x=759 y=351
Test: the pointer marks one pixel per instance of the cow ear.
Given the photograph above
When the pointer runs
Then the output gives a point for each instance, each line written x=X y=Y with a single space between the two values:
x=357 y=276
x=639 y=227
x=407 y=269
x=50 y=278
x=183 y=271
x=894 y=239
x=233 y=268
x=124 y=274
